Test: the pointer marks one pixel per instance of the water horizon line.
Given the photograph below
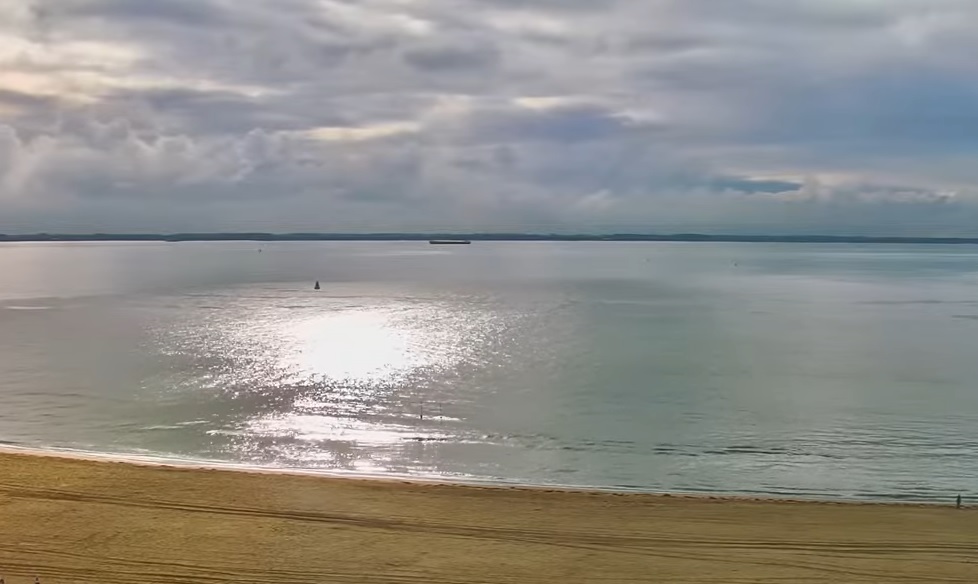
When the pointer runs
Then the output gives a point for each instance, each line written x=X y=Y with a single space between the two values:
x=481 y=236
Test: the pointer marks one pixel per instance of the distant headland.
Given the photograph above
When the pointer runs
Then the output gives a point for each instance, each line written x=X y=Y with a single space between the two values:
x=621 y=237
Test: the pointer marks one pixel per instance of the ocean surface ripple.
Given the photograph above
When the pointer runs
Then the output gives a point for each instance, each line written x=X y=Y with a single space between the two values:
x=826 y=371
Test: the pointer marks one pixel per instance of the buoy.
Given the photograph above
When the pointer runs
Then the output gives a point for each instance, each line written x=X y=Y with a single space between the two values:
x=316 y=287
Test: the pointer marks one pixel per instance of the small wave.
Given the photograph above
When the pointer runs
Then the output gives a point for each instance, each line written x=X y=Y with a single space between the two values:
x=673 y=451
x=747 y=449
x=177 y=426
x=916 y=302
x=230 y=433
x=966 y=316
x=16 y=307
x=570 y=448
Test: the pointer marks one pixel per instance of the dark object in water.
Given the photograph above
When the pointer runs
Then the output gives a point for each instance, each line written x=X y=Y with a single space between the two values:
x=959 y=501
x=449 y=242
x=316 y=287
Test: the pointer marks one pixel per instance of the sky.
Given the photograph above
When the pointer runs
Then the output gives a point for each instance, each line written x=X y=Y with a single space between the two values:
x=733 y=116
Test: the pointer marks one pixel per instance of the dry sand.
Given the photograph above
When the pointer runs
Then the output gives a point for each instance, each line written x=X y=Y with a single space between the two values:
x=96 y=522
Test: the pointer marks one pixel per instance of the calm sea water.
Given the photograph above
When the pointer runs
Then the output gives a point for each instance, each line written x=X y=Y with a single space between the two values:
x=800 y=370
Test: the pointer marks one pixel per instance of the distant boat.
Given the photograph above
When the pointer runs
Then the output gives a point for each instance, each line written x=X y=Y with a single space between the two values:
x=316 y=287
x=449 y=242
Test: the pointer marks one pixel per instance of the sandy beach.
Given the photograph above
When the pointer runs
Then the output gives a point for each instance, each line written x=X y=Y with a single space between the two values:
x=84 y=521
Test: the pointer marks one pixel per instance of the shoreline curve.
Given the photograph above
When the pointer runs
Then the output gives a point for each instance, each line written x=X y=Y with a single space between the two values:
x=175 y=463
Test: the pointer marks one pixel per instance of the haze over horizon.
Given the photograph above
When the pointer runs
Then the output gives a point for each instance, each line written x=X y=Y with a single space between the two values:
x=855 y=117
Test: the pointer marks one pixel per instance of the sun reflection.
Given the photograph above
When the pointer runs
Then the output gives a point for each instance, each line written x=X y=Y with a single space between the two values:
x=345 y=382
x=320 y=428
x=363 y=346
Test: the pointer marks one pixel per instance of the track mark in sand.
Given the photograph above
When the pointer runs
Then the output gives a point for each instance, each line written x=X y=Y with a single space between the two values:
x=113 y=570
x=665 y=547
x=612 y=538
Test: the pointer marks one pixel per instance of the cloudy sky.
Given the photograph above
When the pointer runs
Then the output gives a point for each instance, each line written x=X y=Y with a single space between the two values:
x=738 y=116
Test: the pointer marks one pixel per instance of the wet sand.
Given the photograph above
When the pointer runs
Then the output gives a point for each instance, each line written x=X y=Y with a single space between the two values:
x=82 y=521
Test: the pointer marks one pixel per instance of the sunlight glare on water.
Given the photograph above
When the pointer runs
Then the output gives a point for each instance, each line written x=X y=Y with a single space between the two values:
x=362 y=346
x=358 y=363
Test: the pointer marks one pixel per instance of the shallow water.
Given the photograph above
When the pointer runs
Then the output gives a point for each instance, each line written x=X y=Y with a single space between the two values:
x=798 y=370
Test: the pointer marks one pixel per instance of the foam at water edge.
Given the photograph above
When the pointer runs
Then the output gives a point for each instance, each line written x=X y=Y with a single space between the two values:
x=174 y=462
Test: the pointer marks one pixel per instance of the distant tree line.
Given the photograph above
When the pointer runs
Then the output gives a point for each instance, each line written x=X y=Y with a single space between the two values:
x=689 y=237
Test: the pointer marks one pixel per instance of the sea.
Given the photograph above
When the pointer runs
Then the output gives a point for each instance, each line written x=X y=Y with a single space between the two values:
x=825 y=371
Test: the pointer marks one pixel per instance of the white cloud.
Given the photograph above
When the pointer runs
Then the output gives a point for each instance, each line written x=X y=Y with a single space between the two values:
x=354 y=134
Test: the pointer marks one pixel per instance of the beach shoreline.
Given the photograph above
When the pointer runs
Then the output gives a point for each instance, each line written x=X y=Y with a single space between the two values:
x=151 y=461
x=69 y=519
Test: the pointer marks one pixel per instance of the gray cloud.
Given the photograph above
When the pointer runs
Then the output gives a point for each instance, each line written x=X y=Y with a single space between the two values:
x=809 y=116
x=179 y=12
x=465 y=54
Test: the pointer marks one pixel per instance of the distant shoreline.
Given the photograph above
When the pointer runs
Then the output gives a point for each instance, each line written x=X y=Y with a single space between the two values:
x=474 y=237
